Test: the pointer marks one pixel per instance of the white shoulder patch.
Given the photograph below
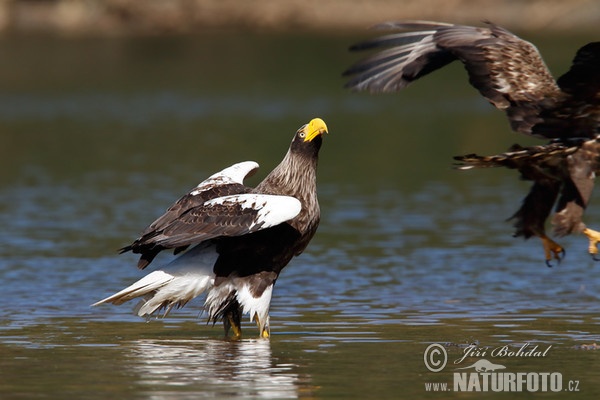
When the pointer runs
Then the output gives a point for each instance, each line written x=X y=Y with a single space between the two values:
x=233 y=174
x=270 y=209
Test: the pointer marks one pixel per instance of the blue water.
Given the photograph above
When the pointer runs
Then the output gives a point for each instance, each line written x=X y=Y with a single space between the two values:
x=409 y=251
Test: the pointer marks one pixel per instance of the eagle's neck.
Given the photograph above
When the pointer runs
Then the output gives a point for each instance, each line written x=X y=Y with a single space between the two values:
x=296 y=176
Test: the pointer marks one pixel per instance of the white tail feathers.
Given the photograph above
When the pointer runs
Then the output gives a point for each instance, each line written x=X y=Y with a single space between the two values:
x=187 y=277
x=147 y=284
x=161 y=290
x=175 y=293
x=184 y=278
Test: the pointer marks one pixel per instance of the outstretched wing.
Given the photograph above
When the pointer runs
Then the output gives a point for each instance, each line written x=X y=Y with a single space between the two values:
x=507 y=70
x=223 y=183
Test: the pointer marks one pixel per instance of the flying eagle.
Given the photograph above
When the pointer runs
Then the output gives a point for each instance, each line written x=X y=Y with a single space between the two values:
x=511 y=74
x=242 y=237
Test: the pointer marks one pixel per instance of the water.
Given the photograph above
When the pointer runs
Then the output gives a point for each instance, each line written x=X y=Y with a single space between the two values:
x=108 y=133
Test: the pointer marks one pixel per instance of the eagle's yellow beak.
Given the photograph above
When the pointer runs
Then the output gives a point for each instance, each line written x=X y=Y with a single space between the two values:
x=314 y=128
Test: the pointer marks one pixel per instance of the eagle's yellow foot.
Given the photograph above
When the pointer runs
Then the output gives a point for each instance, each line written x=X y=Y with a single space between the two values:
x=233 y=323
x=264 y=331
x=594 y=238
x=552 y=250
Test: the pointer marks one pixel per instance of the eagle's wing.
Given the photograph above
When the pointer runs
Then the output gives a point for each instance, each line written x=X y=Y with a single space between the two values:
x=226 y=182
x=583 y=79
x=507 y=70
x=223 y=183
x=578 y=114
x=232 y=215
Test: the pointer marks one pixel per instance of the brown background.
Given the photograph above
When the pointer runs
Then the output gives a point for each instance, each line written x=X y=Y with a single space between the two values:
x=152 y=17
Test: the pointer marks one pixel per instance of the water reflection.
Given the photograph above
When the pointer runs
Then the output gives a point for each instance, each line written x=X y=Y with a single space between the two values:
x=233 y=368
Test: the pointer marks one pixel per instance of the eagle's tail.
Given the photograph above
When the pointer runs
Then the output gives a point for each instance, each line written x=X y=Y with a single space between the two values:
x=190 y=275
x=185 y=278
x=542 y=155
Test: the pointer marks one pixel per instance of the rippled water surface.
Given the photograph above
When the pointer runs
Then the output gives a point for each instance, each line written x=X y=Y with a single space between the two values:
x=100 y=136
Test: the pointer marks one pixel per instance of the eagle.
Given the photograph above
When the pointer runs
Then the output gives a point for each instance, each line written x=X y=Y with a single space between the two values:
x=511 y=74
x=231 y=240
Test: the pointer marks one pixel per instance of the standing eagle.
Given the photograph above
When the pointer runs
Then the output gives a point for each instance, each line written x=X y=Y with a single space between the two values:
x=242 y=237
x=510 y=73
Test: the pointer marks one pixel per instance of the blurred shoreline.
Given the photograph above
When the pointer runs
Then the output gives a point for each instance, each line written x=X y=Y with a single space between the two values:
x=158 y=17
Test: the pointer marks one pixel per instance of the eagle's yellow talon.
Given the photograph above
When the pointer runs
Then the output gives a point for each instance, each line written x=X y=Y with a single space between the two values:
x=594 y=238
x=552 y=250
x=235 y=327
x=264 y=330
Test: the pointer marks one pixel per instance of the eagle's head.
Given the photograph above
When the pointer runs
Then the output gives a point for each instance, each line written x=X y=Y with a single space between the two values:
x=308 y=138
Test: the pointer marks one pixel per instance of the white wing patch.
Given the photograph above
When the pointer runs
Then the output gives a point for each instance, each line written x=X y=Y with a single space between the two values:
x=233 y=174
x=270 y=210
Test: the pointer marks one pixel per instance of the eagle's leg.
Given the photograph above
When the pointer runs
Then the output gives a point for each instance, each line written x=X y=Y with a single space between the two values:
x=263 y=328
x=552 y=250
x=232 y=320
x=594 y=238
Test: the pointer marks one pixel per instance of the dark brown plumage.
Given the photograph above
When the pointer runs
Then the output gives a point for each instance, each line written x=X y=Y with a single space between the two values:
x=187 y=211
x=243 y=237
x=512 y=75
